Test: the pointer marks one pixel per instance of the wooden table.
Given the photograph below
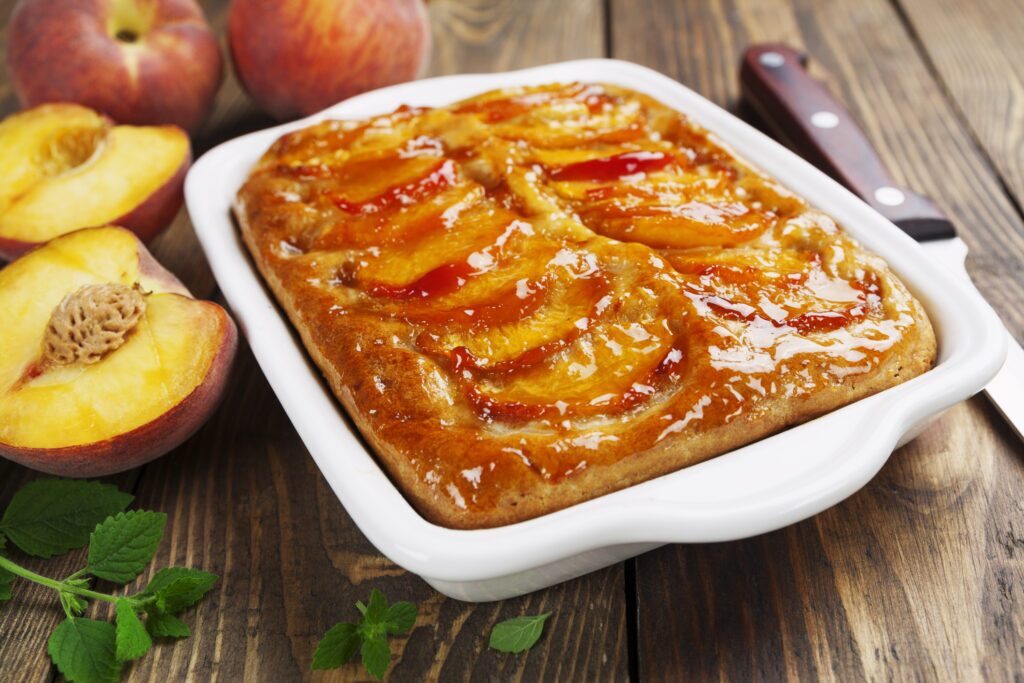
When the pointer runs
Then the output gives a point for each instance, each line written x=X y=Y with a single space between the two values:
x=919 y=575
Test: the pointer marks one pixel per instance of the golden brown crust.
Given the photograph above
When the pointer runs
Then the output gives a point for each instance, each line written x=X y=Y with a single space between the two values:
x=757 y=314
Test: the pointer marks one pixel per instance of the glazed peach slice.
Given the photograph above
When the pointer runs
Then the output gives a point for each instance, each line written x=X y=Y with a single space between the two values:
x=628 y=336
x=65 y=167
x=106 y=361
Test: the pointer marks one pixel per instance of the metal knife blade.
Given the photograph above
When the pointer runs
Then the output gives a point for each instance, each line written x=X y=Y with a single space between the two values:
x=1006 y=390
x=803 y=113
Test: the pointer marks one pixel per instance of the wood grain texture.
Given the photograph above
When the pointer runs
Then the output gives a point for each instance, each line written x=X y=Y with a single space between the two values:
x=919 y=575
x=977 y=54
x=497 y=35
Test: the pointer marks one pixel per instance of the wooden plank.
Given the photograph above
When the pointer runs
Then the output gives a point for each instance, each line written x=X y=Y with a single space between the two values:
x=8 y=100
x=976 y=50
x=919 y=574
x=499 y=35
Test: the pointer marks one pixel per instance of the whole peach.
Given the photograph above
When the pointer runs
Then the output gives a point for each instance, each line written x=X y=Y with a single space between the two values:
x=296 y=57
x=138 y=61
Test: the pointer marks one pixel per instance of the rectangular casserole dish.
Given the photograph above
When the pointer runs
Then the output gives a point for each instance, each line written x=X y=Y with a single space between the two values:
x=763 y=486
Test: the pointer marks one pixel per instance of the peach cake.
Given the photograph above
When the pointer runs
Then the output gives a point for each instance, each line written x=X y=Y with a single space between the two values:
x=541 y=295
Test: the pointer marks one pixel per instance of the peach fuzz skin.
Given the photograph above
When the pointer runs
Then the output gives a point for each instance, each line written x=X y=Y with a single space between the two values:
x=287 y=52
x=182 y=418
x=138 y=61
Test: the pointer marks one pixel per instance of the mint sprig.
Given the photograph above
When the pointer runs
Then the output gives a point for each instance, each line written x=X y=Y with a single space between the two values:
x=51 y=516
x=163 y=625
x=368 y=636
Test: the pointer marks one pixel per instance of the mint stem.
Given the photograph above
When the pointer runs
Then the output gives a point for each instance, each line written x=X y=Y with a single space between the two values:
x=18 y=570
x=76 y=574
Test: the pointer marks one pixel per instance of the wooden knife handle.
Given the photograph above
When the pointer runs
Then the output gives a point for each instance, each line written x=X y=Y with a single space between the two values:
x=804 y=115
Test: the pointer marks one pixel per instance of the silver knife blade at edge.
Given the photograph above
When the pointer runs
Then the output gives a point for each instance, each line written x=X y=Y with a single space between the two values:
x=1006 y=390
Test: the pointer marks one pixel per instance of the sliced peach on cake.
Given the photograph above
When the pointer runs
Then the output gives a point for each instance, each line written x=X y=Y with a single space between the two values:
x=106 y=361
x=65 y=167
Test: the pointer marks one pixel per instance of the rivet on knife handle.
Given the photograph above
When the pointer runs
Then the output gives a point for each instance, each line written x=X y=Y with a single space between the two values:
x=804 y=114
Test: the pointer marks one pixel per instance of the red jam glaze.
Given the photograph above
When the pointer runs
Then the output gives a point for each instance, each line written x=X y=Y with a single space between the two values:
x=591 y=289
x=637 y=393
x=606 y=169
x=501 y=309
x=438 y=282
x=440 y=176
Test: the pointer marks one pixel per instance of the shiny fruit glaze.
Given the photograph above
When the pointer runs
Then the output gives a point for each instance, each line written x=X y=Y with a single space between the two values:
x=545 y=281
x=613 y=167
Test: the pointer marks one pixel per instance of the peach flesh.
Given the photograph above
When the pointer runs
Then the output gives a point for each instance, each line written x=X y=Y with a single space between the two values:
x=140 y=400
x=64 y=167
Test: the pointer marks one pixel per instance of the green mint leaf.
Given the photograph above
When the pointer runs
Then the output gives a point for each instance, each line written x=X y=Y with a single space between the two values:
x=376 y=609
x=519 y=634
x=6 y=578
x=361 y=607
x=122 y=546
x=132 y=639
x=400 y=617
x=49 y=517
x=84 y=651
x=163 y=625
x=177 y=588
x=376 y=656
x=337 y=647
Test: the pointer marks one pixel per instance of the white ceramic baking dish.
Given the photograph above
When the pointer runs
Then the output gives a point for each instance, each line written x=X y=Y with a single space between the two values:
x=763 y=486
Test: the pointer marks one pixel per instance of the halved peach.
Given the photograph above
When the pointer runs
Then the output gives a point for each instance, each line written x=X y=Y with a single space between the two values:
x=106 y=361
x=65 y=167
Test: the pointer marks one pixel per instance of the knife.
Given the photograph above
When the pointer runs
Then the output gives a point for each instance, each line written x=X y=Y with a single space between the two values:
x=804 y=115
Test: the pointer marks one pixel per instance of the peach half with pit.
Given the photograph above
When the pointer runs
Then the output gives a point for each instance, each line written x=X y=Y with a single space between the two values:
x=106 y=360
x=64 y=167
